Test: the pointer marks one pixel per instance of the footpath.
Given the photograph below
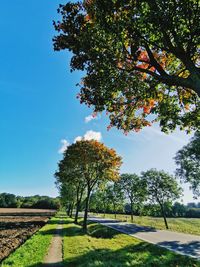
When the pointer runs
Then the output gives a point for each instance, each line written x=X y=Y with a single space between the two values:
x=54 y=256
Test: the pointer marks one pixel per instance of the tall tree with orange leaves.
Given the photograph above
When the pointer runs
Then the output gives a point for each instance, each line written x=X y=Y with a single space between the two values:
x=91 y=162
x=141 y=59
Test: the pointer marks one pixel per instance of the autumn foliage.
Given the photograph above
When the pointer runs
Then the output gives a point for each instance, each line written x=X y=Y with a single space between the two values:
x=85 y=166
x=141 y=59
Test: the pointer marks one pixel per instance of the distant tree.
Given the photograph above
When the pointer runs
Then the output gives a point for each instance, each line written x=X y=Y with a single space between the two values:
x=67 y=196
x=138 y=57
x=191 y=205
x=115 y=196
x=188 y=162
x=162 y=188
x=134 y=189
x=73 y=179
x=192 y=213
x=100 y=200
x=178 y=209
x=8 y=201
x=46 y=203
x=95 y=163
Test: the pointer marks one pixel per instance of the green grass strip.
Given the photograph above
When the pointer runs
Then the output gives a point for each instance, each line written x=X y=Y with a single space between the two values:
x=33 y=251
x=105 y=247
x=181 y=225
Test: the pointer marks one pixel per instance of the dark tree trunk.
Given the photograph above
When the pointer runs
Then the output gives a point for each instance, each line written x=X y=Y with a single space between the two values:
x=71 y=211
x=68 y=209
x=131 y=211
x=115 y=211
x=77 y=211
x=86 y=210
x=164 y=216
x=78 y=203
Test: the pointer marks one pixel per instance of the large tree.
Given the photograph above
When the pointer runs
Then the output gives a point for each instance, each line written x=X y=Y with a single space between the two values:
x=162 y=188
x=134 y=189
x=188 y=161
x=92 y=162
x=141 y=59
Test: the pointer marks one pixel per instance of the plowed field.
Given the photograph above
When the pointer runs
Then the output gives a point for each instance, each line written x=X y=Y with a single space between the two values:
x=15 y=229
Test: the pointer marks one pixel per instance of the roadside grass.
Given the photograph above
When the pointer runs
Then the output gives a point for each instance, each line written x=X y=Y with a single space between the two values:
x=182 y=225
x=33 y=251
x=105 y=247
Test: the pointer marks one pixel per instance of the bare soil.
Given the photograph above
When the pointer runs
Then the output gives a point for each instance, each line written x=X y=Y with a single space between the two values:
x=14 y=231
x=26 y=212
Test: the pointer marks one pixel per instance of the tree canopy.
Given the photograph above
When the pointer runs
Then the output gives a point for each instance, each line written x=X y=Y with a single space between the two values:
x=188 y=162
x=141 y=59
x=86 y=165
x=134 y=189
x=161 y=188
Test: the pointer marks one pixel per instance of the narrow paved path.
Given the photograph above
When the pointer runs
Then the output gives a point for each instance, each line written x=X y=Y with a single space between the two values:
x=178 y=242
x=54 y=256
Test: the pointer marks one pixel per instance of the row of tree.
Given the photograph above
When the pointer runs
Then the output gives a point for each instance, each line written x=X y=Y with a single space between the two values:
x=33 y=202
x=89 y=172
x=89 y=167
x=151 y=189
x=122 y=206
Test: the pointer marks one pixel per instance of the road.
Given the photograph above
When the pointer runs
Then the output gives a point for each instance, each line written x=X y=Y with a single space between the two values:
x=178 y=242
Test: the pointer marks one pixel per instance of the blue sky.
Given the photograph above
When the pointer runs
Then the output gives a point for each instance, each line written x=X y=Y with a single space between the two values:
x=39 y=109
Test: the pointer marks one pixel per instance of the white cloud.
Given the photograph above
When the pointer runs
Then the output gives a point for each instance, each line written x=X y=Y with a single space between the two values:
x=64 y=146
x=89 y=118
x=89 y=135
x=78 y=138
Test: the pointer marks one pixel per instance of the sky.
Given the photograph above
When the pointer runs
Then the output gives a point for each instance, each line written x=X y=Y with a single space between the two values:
x=39 y=112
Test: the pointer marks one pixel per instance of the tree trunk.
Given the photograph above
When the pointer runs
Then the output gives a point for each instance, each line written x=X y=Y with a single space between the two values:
x=131 y=211
x=78 y=203
x=164 y=216
x=115 y=212
x=71 y=211
x=86 y=210
x=68 y=209
x=77 y=210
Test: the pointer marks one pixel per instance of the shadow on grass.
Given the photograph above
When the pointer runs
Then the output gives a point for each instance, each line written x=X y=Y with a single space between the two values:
x=55 y=264
x=139 y=255
x=96 y=230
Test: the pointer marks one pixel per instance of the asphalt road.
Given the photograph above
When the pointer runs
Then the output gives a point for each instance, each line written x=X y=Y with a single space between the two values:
x=178 y=242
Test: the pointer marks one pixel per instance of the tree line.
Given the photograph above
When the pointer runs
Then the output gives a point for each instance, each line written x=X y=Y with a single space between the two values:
x=8 y=200
x=88 y=176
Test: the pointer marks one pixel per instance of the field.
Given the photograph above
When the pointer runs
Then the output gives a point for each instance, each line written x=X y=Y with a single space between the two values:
x=182 y=225
x=17 y=225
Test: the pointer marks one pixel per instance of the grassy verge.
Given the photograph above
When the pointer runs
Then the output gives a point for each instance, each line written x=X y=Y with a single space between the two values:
x=182 y=225
x=33 y=251
x=105 y=247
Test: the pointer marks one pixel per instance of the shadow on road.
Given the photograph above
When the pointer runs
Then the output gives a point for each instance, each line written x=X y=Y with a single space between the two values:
x=128 y=228
x=191 y=248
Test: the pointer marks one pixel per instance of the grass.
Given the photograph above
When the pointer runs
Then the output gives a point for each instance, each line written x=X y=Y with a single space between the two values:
x=33 y=251
x=105 y=247
x=182 y=225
